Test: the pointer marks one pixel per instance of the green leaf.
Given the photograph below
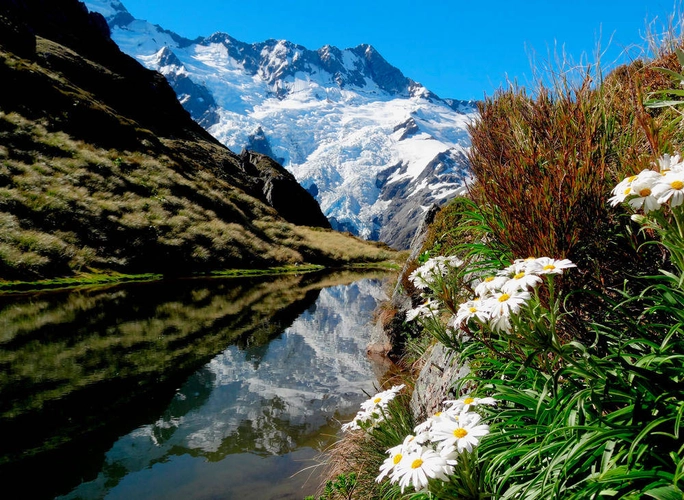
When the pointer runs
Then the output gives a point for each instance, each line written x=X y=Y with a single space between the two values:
x=665 y=493
x=678 y=92
x=655 y=103
x=671 y=73
x=680 y=56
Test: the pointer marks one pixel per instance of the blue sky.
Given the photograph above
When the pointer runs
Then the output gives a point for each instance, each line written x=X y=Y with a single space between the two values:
x=459 y=49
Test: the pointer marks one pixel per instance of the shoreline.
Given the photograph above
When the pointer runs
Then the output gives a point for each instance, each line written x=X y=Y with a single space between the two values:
x=102 y=279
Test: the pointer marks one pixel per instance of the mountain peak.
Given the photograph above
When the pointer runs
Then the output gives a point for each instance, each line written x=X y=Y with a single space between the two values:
x=374 y=146
x=108 y=8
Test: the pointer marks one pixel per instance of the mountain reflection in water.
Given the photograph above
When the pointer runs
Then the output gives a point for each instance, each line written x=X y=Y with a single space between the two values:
x=189 y=389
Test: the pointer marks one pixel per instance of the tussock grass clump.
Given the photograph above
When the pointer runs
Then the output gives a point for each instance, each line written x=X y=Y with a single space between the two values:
x=545 y=162
x=541 y=165
x=327 y=246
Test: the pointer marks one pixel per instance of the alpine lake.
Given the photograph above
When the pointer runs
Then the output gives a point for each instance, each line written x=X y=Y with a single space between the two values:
x=183 y=389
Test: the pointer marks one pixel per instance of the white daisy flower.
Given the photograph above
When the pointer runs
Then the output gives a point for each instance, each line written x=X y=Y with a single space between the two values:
x=381 y=399
x=418 y=467
x=642 y=190
x=475 y=308
x=501 y=324
x=363 y=418
x=520 y=281
x=668 y=163
x=622 y=191
x=416 y=277
x=428 y=308
x=463 y=404
x=464 y=433
x=450 y=454
x=423 y=428
x=505 y=304
x=351 y=426
x=670 y=188
x=524 y=262
x=519 y=266
x=396 y=454
x=489 y=285
x=434 y=268
x=547 y=265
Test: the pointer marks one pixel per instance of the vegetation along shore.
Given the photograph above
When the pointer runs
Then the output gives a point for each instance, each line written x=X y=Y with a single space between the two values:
x=540 y=324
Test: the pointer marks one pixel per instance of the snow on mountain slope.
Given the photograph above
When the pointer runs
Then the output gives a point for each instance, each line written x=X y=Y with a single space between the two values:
x=374 y=147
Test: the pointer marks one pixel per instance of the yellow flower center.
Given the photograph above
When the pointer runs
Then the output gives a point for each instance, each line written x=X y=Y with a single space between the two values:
x=397 y=458
x=416 y=463
x=473 y=310
x=489 y=278
x=460 y=433
x=377 y=400
x=504 y=297
x=627 y=191
x=549 y=267
x=644 y=192
x=677 y=185
x=518 y=276
x=631 y=178
x=438 y=414
x=468 y=401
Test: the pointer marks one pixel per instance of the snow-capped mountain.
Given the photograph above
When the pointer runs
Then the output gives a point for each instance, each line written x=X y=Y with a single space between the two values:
x=374 y=147
x=270 y=401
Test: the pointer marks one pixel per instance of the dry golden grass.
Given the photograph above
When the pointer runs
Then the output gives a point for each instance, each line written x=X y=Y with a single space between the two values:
x=547 y=160
x=338 y=247
x=131 y=209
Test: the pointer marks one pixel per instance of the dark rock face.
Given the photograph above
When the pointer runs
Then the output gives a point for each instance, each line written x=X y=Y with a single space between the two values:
x=408 y=201
x=409 y=127
x=258 y=143
x=195 y=98
x=66 y=22
x=461 y=106
x=383 y=73
x=282 y=191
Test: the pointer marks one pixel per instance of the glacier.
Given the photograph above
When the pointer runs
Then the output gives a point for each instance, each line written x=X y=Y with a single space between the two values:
x=375 y=148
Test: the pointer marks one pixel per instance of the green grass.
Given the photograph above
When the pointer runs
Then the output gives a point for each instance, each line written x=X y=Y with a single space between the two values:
x=130 y=212
x=74 y=281
x=94 y=279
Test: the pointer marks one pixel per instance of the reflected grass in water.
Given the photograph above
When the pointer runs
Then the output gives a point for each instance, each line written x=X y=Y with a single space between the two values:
x=78 y=367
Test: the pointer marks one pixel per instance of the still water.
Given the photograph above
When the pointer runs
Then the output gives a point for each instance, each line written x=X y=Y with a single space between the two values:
x=191 y=389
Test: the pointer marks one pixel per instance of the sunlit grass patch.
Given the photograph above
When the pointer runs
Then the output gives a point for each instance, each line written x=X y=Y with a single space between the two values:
x=337 y=246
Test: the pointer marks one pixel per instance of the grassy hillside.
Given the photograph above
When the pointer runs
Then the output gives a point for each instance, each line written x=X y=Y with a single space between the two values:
x=101 y=168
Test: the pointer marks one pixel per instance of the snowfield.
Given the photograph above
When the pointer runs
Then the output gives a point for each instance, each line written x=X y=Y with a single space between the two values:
x=366 y=141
